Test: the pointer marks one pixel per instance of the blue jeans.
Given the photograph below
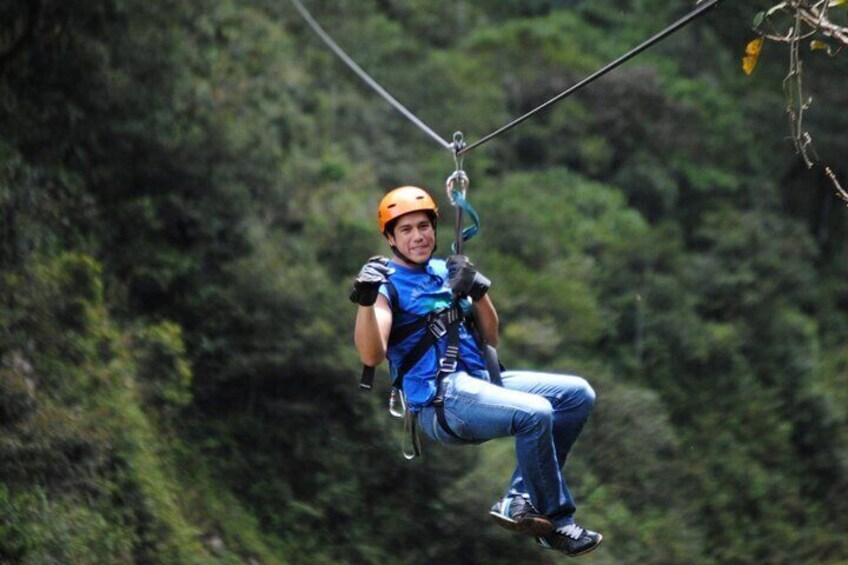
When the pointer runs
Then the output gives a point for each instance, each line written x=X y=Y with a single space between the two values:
x=545 y=412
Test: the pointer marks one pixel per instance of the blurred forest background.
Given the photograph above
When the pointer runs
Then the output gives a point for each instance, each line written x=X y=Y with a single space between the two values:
x=187 y=189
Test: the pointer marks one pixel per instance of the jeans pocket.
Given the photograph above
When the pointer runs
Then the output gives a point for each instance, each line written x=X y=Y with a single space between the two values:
x=429 y=423
x=457 y=425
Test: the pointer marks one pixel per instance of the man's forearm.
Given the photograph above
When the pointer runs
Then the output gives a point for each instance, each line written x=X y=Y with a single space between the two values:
x=367 y=337
x=487 y=320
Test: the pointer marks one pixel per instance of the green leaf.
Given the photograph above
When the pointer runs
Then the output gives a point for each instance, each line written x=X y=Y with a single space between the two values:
x=835 y=3
x=817 y=45
x=758 y=19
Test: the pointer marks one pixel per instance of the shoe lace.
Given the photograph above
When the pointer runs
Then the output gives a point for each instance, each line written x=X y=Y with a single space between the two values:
x=572 y=530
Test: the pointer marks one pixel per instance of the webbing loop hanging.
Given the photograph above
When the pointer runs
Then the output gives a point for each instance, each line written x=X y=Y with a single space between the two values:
x=467 y=233
x=456 y=187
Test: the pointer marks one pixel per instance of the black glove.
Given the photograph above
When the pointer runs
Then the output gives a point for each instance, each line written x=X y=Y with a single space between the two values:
x=366 y=287
x=464 y=280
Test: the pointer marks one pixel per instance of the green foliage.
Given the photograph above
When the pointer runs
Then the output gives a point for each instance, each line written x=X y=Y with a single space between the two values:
x=187 y=188
x=163 y=370
x=36 y=529
x=17 y=397
x=90 y=477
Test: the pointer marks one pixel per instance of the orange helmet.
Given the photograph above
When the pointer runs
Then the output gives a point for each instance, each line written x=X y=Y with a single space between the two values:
x=402 y=201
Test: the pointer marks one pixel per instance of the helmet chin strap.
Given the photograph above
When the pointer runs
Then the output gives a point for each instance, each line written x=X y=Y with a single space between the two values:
x=400 y=255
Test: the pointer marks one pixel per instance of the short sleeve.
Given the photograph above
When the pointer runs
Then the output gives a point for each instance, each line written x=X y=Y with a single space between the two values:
x=384 y=290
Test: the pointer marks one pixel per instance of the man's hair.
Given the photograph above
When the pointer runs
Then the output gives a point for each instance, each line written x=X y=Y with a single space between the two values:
x=390 y=225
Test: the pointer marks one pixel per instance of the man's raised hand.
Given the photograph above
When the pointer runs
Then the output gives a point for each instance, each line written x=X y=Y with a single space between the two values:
x=366 y=286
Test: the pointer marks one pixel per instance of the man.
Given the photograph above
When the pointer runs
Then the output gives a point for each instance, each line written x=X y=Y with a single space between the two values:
x=414 y=310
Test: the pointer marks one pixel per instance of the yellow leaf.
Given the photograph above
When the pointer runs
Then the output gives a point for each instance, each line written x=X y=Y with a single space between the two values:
x=752 y=55
x=835 y=3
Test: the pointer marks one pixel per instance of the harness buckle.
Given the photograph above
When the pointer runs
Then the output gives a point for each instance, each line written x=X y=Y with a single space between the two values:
x=438 y=328
x=447 y=365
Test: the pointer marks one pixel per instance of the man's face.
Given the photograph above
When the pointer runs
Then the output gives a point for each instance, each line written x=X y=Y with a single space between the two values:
x=414 y=236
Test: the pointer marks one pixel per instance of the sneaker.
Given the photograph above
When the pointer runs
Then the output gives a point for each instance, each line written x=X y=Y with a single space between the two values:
x=516 y=513
x=572 y=540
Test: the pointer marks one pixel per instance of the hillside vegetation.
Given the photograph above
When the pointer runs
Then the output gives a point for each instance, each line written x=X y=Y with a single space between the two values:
x=187 y=189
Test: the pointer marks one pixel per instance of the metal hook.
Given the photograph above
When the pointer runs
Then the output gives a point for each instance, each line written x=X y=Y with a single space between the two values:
x=457 y=146
x=450 y=184
x=458 y=175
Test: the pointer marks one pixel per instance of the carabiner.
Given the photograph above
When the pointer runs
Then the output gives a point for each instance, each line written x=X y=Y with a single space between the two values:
x=457 y=177
x=410 y=444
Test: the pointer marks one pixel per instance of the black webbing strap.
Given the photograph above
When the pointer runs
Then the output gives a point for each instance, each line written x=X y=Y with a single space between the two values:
x=438 y=325
x=366 y=379
x=493 y=364
x=447 y=366
x=400 y=334
x=489 y=353
x=443 y=421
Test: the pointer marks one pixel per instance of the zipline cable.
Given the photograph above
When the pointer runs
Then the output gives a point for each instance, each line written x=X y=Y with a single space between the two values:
x=697 y=12
x=364 y=76
x=458 y=150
